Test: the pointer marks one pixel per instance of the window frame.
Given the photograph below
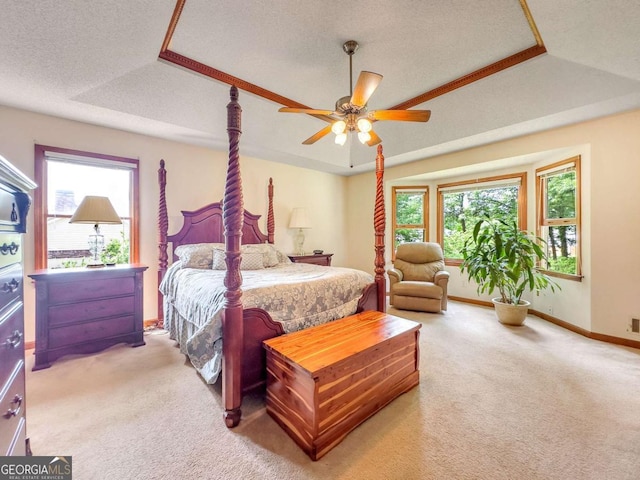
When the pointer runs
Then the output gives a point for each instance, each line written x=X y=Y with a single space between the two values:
x=541 y=221
x=522 y=202
x=41 y=199
x=425 y=214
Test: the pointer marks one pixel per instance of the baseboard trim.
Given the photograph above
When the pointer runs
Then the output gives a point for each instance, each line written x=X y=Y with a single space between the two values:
x=30 y=345
x=474 y=301
x=150 y=323
x=626 y=342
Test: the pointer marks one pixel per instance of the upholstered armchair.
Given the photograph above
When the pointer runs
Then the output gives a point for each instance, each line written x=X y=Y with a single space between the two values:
x=417 y=280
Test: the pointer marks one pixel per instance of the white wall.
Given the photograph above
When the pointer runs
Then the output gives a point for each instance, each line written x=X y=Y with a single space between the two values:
x=196 y=176
x=341 y=209
x=607 y=297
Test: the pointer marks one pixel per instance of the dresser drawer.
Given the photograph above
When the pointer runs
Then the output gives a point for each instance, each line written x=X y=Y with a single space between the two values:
x=10 y=284
x=77 y=291
x=11 y=339
x=86 y=332
x=13 y=208
x=70 y=313
x=12 y=408
x=10 y=249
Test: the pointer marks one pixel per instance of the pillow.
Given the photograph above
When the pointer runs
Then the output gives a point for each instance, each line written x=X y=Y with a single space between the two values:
x=218 y=259
x=268 y=251
x=252 y=261
x=249 y=260
x=282 y=257
x=196 y=255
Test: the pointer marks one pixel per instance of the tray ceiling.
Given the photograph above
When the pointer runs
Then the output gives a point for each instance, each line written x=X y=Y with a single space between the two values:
x=487 y=70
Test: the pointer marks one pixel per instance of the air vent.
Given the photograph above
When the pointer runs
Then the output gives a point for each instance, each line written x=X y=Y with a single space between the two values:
x=635 y=325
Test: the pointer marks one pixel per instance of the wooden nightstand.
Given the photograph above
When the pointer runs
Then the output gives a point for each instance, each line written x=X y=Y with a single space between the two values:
x=84 y=310
x=319 y=259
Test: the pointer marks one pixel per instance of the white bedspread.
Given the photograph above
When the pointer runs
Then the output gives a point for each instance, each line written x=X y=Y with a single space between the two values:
x=297 y=295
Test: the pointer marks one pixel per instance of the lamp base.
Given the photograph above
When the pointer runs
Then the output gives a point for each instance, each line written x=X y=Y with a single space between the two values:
x=299 y=242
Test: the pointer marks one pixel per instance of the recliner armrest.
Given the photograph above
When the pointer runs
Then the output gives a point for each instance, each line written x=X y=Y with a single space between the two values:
x=441 y=276
x=394 y=275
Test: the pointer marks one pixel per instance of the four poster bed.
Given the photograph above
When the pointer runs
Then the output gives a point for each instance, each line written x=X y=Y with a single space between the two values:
x=214 y=244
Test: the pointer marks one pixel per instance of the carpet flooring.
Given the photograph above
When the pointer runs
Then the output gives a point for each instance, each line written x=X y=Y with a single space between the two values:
x=494 y=402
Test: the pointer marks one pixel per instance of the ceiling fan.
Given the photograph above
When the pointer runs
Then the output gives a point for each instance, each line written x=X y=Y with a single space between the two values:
x=351 y=113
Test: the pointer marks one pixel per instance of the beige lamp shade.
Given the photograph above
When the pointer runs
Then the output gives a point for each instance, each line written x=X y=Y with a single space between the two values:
x=95 y=210
x=299 y=219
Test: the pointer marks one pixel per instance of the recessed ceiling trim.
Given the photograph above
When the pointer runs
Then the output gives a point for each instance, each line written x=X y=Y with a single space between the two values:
x=199 y=67
x=479 y=74
x=532 y=23
x=172 y=25
x=206 y=70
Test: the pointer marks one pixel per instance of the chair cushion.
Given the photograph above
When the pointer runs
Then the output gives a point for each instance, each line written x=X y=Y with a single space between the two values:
x=419 y=260
x=418 y=271
x=417 y=289
x=419 y=252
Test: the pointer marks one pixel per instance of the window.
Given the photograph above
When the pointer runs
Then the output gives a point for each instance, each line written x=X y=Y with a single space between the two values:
x=409 y=215
x=64 y=177
x=558 y=213
x=462 y=204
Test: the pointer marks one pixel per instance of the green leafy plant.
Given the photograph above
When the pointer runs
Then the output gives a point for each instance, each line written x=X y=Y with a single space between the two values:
x=501 y=256
x=73 y=263
x=116 y=251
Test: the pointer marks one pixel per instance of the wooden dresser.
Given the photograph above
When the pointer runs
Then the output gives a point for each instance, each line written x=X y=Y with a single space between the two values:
x=84 y=310
x=14 y=206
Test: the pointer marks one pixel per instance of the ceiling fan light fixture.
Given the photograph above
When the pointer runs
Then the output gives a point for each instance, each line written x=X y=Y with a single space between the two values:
x=364 y=137
x=364 y=125
x=339 y=127
x=341 y=138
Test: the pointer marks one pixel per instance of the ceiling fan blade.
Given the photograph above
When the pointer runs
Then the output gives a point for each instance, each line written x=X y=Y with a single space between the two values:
x=310 y=111
x=365 y=86
x=317 y=136
x=375 y=139
x=401 y=115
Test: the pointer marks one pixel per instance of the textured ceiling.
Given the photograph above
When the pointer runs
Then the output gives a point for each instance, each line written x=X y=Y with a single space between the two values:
x=98 y=62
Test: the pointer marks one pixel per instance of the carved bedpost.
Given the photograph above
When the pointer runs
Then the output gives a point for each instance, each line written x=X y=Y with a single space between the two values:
x=163 y=228
x=233 y=216
x=379 y=224
x=270 y=220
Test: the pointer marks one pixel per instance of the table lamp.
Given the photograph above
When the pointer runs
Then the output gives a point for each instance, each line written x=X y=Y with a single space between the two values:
x=96 y=210
x=300 y=221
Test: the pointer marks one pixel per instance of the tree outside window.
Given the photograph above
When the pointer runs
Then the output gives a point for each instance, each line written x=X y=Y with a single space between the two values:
x=462 y=204
x=558 y=204
x=410 y=218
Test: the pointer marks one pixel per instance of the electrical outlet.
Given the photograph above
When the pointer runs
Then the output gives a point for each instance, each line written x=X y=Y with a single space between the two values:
x=550 y=309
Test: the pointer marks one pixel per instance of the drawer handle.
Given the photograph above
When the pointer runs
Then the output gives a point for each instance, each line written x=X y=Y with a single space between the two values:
x=11 y=249
x=14 y=412
x=10 y=287
x=14 y=340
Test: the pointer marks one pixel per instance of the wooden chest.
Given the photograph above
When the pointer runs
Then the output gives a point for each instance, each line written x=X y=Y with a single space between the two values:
x=324 y=381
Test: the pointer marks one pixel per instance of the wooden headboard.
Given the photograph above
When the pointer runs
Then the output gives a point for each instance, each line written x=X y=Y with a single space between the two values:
x=206 y=225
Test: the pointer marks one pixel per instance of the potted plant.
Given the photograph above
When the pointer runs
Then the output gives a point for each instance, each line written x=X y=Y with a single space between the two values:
x=501 y=256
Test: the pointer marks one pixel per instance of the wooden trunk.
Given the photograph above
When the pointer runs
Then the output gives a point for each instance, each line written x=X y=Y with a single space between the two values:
x=324 y=381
